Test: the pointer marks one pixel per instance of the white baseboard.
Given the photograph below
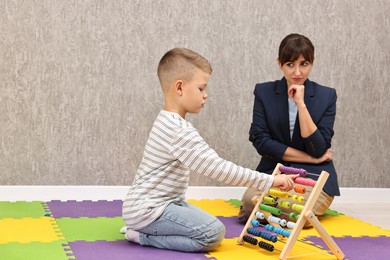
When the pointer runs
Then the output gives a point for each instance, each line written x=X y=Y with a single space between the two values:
x=94 y=193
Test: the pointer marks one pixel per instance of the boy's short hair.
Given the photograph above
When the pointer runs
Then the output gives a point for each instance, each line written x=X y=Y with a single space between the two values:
x=179 y=63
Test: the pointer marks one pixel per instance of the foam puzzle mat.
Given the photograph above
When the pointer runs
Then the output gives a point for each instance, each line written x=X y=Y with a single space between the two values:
x=63 y=230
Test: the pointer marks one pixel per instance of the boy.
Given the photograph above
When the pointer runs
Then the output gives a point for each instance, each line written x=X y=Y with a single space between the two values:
x=154 y=210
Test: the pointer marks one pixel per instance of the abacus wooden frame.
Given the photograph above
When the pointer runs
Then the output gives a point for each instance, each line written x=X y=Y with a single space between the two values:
x=305 y=215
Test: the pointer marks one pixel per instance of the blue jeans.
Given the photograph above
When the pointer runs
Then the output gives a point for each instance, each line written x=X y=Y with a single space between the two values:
x=184 y=227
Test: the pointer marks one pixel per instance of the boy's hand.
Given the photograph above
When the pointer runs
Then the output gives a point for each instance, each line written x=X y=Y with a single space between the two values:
x=284 y=182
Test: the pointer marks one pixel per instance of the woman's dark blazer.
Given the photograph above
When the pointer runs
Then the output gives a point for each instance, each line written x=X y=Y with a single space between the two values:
x=270 y=130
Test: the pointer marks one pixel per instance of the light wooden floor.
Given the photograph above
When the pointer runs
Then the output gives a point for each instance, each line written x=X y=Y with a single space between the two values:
x=375 y=213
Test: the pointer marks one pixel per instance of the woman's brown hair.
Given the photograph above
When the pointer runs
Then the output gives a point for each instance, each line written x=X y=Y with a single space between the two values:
x=293 y=46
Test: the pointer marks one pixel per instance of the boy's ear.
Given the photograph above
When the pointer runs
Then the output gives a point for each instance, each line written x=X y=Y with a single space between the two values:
x=179 y=87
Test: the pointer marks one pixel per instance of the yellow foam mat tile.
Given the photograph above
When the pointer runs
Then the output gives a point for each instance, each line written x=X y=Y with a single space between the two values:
x=339 y=226
x=28 y=230
x=217 y=207
x=231 y=250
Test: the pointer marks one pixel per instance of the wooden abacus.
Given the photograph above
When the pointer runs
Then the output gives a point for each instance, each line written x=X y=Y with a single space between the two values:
x=264 y=211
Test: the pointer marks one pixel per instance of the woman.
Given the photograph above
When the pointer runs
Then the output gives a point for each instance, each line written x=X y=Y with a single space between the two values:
x=293 y=122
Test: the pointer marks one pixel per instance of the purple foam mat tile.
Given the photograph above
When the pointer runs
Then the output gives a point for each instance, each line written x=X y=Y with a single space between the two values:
x=233 y=227
x=359 y=248
x=91 y=209
x=123 y=249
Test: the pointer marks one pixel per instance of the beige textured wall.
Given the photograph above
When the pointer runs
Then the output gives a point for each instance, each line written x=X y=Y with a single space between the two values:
x=79 y=90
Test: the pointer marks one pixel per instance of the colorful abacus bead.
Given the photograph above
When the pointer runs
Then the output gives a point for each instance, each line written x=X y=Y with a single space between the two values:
x=269 y=227
x=264 y=235
x=278 y=193
x=277 y=230
x=270 y=209
x=260 y=215
x=298 y=198
x=281 y=231
x=266 y=246
x=300 y=189
x=291 y=170
x=290 y=225
x=283 y=222
x=276 y=220
x=297 y=207
x=253 y=231
x=269 y=200
x=255 y=223
x=250 y=240
x=273 y=219
x=305 y=181
x=284 y=204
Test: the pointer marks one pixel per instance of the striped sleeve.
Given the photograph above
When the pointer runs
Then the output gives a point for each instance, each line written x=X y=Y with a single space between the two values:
x=191 y=150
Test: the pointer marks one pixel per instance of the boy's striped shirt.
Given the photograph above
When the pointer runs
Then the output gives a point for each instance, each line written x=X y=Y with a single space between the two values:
x=173 y=150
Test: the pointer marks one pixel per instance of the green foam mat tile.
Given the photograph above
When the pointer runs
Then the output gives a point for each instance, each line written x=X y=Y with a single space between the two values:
x=34 y=251
x=235 y=202
x=91 y=229
x=21 y=209
x=331 y=212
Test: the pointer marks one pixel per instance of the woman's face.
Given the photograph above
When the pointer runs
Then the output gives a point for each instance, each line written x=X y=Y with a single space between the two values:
x=296 y=72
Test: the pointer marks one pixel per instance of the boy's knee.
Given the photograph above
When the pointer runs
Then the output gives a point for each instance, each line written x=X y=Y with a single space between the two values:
x=217 y=234
x=213 y=236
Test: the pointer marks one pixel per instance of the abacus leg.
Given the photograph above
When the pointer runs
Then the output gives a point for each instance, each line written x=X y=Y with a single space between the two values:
x=325 y=236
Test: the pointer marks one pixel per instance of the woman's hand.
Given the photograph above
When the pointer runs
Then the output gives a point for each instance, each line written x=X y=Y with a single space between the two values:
x=326 y=157
x=297 y=93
